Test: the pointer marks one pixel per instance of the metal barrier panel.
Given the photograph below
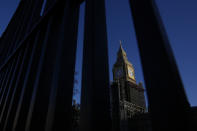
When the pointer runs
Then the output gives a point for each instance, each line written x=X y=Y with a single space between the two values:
x=37 y=65
x=167 y=99
x=37 y=68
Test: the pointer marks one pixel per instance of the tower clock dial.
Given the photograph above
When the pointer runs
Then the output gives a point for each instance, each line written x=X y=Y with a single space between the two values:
x=131 y=73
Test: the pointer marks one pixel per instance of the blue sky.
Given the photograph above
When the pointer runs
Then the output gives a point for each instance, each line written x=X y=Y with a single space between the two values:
x=179 y=18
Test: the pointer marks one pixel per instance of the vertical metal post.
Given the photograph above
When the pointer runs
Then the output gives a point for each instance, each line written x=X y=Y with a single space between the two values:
x=4 y=81
x=95 y=102
x=1 y=77
x=6 y=105
x=51 y=102
x=60 y=107
x=34 y=14
x=17 y=90
x=49 y=4
x=36 y=114
x=167 y=99
x=26 y=91
x=3 y=99
x=5 y=112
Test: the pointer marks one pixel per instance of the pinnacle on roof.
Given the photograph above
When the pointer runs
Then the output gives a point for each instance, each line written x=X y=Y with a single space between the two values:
x=121 y=50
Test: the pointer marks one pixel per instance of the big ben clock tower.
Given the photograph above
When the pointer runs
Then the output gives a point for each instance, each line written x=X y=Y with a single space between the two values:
x=127 y=96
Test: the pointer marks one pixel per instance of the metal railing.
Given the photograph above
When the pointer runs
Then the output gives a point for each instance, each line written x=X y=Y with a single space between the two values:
x=37 y=63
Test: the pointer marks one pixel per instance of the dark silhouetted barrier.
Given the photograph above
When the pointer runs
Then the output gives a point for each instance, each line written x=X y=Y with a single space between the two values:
x=37 y=65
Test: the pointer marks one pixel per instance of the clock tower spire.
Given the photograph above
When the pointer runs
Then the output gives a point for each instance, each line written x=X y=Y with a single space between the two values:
x=123 y=68
x=121 y=53
x=130 y=94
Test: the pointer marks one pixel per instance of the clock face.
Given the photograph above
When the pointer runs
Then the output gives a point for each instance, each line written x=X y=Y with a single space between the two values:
x=118 y=73
x=131 y=73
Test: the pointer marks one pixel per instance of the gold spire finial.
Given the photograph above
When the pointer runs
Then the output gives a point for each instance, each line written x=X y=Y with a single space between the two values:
x=121 y=48
x=120 y=43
